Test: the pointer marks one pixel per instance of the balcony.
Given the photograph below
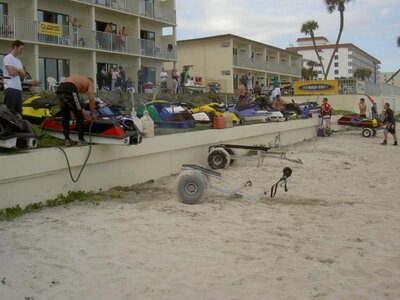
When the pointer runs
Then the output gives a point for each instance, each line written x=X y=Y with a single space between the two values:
x=27 y=30
x=136 y=7
x=248 y=63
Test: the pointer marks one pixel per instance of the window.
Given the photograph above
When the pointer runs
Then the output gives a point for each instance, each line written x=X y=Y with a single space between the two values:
x=336 y=56
x=147 y=43
x=234 y=51
x=52 y=67
x=336 y=64
x=350 y=56
x=319 y=50
x=336 y=72
x=55 y=18
x=350 y=71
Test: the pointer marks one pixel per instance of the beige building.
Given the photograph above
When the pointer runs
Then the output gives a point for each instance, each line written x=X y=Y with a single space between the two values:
x=225 y=58
x=347 y=59
x=65 y=37
x=393 y=76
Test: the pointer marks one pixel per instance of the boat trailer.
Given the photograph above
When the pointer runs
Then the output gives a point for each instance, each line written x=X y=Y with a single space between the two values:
x=193 y=182
x=222 y=155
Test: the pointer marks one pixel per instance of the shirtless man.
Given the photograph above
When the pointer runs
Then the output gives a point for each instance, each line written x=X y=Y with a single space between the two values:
x=363 y=108
x=68 y=96
x=242 y=92
x=279 y=103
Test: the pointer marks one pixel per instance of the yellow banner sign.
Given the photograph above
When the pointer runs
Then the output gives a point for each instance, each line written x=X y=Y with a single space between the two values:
x=50 y=29
x=316 y=87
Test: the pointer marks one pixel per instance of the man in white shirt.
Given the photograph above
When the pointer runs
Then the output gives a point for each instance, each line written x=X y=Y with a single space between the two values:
x=163 y=78
x=14 y=73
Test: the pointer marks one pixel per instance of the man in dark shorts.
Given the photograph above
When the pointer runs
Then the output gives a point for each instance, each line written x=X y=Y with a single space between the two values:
x=390 y=125
x=68 y=97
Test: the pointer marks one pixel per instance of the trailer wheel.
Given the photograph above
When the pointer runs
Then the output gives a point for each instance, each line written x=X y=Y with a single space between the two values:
x=374 y=132
x=191 y=186
x=230 y=152
x=218 y=158
x=367 y=132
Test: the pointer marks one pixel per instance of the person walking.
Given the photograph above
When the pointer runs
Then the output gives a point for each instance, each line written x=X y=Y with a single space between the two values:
x=390 y=122
x=13 y=74
x=68 y=97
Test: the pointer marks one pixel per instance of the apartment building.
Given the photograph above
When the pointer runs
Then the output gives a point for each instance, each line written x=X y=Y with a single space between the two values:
x=393 y=76
x=225 y=58
x=347 y=59
x=69 y=37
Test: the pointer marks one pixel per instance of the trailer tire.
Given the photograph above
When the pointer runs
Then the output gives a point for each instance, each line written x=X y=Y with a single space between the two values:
x=367 y=132
x=218 y=158
x=191 y=186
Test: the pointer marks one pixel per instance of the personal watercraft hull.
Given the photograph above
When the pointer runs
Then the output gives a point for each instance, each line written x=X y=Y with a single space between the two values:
x=36 y=109
x=14 y=131
x=102 y=131
x=356 y=121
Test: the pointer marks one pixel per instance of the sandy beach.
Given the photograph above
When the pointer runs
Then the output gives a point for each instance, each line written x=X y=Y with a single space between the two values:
x=334 y=235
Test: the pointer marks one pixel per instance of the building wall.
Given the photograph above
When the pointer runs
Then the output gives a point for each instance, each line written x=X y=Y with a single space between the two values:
x=213 y=58
x=348 y=60
x=84 y=59
x=386 y=75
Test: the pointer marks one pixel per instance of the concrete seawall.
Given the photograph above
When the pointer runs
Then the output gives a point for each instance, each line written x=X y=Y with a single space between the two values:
x=42 y=174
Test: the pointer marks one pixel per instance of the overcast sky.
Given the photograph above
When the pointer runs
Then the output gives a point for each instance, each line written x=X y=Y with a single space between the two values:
x=372 y=25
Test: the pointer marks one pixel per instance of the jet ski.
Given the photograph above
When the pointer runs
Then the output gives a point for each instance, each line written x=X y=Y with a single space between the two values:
x=14 y=131
x=166 y=114
x=369 y=126
x=206 y=113
x=250 y=112
x=36 y=109
x=110 y=127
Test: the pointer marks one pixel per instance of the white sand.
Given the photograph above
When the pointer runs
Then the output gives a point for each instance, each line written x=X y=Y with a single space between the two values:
x=334 y=235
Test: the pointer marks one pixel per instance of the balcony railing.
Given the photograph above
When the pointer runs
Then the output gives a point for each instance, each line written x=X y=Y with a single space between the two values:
x=249 y=63
x=27 y=30
x=138 y=7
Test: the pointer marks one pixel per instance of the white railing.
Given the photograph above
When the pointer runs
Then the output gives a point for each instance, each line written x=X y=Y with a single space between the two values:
x=138 y=7
x=251 y=63
x=27 y=30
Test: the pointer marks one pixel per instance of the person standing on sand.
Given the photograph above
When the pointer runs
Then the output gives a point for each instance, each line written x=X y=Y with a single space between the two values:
x=390 y=124
x=325 y=114
x=363 y=108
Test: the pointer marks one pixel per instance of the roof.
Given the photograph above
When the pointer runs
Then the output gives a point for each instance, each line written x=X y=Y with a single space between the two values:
x=236 y=37
x=306 y=39
x=331 y=46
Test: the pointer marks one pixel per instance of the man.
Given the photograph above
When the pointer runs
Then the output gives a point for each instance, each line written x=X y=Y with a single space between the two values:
x=163 y=80
x=13 y=74
x=141 y=79
x=363 y=108
x=279 y=103
x=390 y=124
x=242 y=92
x=67 y=95
x=326 y=113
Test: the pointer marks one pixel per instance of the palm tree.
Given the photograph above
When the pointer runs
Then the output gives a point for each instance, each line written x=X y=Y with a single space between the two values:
x=308 y=28
x=332 y=5
x=362 y=73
